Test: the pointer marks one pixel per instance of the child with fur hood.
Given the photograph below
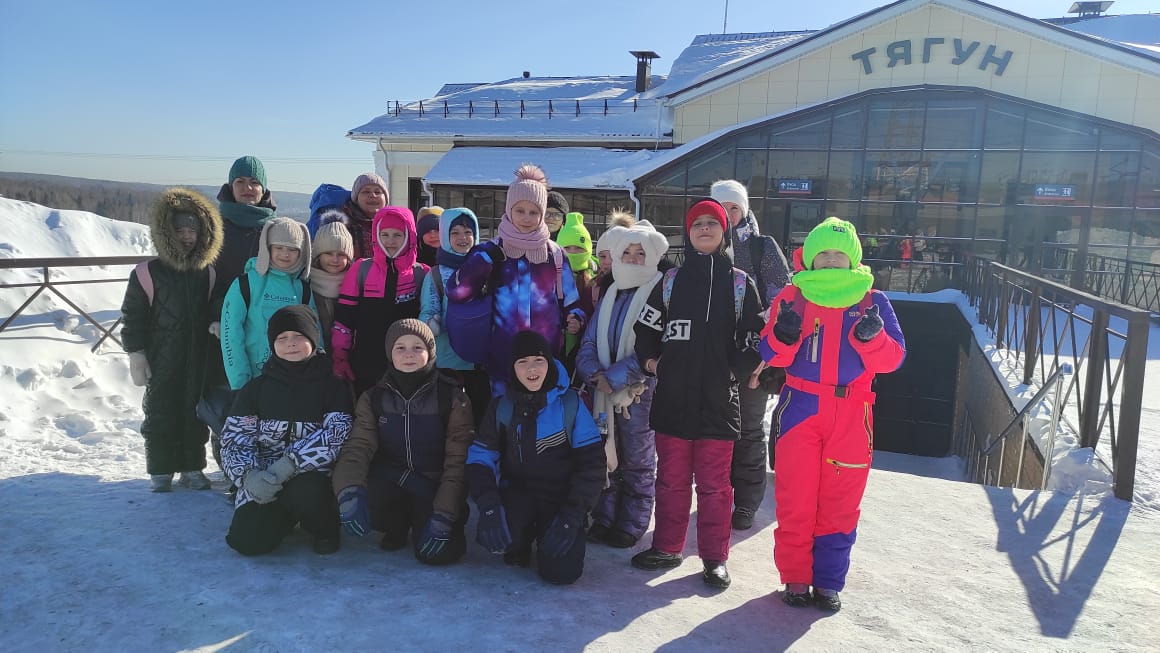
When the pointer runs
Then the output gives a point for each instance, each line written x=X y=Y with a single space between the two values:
x=281 y=438
x=167 y=311
x=402 y=468
x=536 y=466
x=823 y=422
x=333 y=250
x=375 y=293
x=277 y=277
x=621 y=390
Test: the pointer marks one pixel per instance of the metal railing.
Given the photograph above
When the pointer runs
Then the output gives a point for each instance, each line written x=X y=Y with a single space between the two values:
x=1023 y=417
x=1122 y=280
x=1039 y=324
x=46 y=265
x=550 y=107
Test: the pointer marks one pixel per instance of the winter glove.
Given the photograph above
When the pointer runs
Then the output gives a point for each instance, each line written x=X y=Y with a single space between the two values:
x=560 y=536
x=494 y=252
x=435 y=536
x=869 y=326
x=772 y=379
x=139 y=368
x=262 y=485
x=435 y=323
x=492 y=530
x=215 y=329
x=788 y=328
x=352 y=510
x=283 y=468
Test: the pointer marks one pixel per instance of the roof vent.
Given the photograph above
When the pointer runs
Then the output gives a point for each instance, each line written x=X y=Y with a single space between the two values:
x=1090 y=9
x=527 y=74
x=643 y=68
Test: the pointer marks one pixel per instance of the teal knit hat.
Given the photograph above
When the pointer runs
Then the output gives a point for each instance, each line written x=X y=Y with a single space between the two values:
x=248 y=166
x=833 y=233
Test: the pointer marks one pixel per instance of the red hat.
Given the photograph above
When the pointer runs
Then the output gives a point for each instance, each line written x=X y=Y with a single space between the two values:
x=707 y=207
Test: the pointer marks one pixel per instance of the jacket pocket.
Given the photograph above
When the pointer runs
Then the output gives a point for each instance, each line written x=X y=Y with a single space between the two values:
x=868 y=425
x=787 y=396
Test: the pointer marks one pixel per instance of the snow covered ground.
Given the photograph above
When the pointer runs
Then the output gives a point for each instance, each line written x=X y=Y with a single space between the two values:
x=93 y=561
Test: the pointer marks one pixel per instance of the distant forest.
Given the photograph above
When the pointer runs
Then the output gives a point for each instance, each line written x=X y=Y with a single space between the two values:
x=113 y=199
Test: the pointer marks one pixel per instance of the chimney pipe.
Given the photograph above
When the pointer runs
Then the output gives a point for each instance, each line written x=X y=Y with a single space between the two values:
x=643 y=68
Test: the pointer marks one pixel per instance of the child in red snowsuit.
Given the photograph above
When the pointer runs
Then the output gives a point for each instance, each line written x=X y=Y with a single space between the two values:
x=824 y=421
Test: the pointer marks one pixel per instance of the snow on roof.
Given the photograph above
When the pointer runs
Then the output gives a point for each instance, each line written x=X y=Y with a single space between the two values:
x=545 y=107
x=1141 y=29
x=566 y=167
x=710 y=55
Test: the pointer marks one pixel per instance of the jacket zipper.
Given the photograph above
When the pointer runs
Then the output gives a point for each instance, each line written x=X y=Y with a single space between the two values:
x=710 y=302
x=814 y=343
x=407 y=425
x=779 y=411
x=869 y=427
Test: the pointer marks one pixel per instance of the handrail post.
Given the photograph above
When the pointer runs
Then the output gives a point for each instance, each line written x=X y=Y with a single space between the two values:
x=1131 y=405
x=1031 y=336
x=1089 y=419
x=1022 y=450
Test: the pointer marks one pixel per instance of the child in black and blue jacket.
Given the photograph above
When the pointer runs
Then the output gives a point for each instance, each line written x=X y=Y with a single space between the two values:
x=537 y=466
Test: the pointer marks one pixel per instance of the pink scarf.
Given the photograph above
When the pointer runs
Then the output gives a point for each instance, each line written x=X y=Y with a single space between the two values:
x=533 y=245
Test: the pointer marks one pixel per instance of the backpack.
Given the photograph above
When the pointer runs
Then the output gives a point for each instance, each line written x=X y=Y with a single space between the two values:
x=740 y=281
x=468 y=324
x=244 y=287
x=505 y=407
x=145 y=278
x=326 y=196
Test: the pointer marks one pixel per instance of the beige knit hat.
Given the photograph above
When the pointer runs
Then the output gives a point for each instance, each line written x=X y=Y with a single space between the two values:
x=287 y=232
x=333 y=237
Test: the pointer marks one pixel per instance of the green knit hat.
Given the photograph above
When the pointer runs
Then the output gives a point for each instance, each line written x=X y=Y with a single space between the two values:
x=833 y=233
x=575 y=233
x=248 y=166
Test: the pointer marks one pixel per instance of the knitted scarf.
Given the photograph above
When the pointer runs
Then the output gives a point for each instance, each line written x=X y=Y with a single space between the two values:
x=326 y=284
x=516 y=244
x=834 y=288
x=627 y=342
x=244 y=215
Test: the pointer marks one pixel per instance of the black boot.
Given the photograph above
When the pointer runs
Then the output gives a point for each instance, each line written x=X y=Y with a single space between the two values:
x=797 y=599
x=654 y=559
x=521 y=558
x=326 y=545
x=597 y=532
x=827 y=600
x=715 y=575
x=618 y=539
x=742 y=518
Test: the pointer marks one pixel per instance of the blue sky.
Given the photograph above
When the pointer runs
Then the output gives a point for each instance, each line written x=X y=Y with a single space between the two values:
x=172 y=92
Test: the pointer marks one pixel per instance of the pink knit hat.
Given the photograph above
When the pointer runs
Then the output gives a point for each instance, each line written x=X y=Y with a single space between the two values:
x=530 y=185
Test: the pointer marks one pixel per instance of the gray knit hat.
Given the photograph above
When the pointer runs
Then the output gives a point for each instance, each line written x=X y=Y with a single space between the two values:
x=288 y=232
x=333 y=237
x=369 y=179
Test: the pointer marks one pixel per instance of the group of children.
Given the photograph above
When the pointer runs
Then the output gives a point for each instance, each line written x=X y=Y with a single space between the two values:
x=612 y=383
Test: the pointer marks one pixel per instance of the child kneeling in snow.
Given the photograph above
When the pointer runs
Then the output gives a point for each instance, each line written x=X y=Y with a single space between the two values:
x=823 y=423
x=537 y=466
x=402 y=469
x=281 y=439
x=167 y=312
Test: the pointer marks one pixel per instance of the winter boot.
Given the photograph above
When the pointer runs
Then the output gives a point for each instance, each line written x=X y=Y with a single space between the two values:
x=194 y=480
x=827 y=599
x=521 y=558
x=715 y=575
x=597 y=532
x=161 y=482
x=742 y=518
x=654 y=559
x=618 y=539
x=797 y=595
x=326 y=545
x=393 y=541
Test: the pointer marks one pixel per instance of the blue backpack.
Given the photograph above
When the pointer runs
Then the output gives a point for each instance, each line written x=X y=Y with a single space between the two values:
x=326 y=196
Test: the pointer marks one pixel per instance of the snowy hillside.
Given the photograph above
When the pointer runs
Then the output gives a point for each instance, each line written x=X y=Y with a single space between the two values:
x=93 y=561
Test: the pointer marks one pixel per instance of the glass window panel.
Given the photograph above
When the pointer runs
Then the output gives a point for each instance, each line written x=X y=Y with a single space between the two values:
x=1004 y=127
x=893 y=176
x=664 y=211
x=1110 y=233
x=786 y=164
x=998 y=177
x=951 y=177
x=1148 y=188
x=708 y=168
x=1114 y=139
x=811 y=132
x=1116 y=174
x=845 y=179
x=846 y=211
x=885 y=218
x=945 y=221
x=754 y=138
x=895 y=126
x=1053 y=131
x=774 y=220
x=953 y=125
x=1073 y=169
x=751 y=171
x=1146 y=237
x=849 y=128
x=803 y=216
x=991 y=222
x=669 y=182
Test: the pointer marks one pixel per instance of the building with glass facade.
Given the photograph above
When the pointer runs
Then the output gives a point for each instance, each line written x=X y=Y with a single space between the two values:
x=941 y=128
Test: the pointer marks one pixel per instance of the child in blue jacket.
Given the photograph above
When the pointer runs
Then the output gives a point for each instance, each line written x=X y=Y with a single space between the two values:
x=537 y=466
x=277 y=277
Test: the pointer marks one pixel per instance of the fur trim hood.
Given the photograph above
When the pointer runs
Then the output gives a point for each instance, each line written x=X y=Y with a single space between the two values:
x=162 y=228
